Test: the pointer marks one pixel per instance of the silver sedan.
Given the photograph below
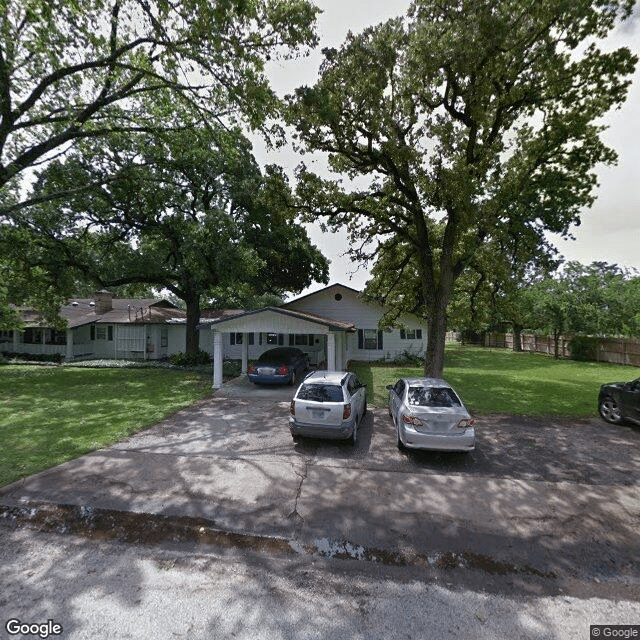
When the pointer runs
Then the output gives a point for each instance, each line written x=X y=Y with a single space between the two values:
x=428 y=414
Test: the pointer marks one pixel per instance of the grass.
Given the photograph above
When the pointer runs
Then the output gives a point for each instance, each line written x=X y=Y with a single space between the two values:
x=501 y=381
x=49 y=415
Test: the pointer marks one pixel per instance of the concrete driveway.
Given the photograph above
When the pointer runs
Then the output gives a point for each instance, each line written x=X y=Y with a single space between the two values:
x=230 y=459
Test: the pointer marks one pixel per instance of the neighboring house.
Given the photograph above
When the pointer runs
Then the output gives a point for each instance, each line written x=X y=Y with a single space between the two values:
x=103 y=327
x=333 y=326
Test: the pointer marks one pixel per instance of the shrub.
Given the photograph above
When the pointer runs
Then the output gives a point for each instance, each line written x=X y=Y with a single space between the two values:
x=190 y=359
x=583 y=348
x=34 y=357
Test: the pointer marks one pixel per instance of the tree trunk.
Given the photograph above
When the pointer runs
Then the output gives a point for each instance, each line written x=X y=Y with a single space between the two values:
x=436 y=337
x=193 y=318
x=517 y=337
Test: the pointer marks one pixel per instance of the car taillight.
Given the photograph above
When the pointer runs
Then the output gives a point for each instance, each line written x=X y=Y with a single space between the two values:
x=463 y=424
x=252 y=368
x=346 y=412
x=416 y=422
x=283 y=371
x=292 y=408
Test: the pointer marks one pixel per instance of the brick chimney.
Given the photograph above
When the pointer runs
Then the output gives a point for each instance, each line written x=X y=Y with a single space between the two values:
x=104 y=301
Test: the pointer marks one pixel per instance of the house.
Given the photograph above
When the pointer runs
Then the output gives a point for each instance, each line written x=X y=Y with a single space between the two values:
x=333 y=326
x=102 y=327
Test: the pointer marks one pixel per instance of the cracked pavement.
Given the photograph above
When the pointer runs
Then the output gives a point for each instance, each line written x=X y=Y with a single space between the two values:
x=560 y=497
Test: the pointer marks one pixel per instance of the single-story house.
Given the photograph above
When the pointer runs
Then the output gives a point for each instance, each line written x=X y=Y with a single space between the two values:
x=102 y=327
x=332 y=325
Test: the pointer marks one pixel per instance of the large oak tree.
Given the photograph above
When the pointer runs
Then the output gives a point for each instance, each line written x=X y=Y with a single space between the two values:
x=450 y=123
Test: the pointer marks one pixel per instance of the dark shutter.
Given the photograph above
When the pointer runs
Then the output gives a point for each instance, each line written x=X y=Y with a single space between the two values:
x=292 y=340
x=251 y=339
x=419 y=334
x=232 y=338
x=311 y=339
x=110 y=332
x=280 y=339
x=93 y=332
x=379 y=339
x=360 y=339
x=403 y=334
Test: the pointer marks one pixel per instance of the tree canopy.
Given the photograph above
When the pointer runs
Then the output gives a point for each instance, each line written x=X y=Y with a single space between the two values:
x=77 y=70
x=190 y=212
x=453 y=122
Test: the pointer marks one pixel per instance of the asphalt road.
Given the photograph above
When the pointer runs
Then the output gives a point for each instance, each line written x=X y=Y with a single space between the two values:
x=106 y=589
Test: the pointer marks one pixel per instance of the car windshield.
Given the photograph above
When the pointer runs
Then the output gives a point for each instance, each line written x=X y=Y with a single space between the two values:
x=321 y=392
x=432 y=397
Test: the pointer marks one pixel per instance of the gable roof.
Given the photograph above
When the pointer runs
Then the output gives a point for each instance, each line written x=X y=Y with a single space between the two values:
x=301 y=315
x=315 y=293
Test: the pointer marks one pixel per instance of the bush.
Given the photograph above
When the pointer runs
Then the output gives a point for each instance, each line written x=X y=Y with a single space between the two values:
x=190 y=359
x=231 y=368
x=409 y=358
x=34 y=357
x=583 y=348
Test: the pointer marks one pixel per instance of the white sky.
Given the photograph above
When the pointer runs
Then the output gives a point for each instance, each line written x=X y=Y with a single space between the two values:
x=610 y=230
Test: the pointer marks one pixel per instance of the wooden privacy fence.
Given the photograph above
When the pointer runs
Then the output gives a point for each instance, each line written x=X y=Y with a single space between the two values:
x=615 y=350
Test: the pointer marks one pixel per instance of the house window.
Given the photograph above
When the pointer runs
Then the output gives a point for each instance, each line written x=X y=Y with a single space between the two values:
x=236 y=338
x=411 y=334
x=275 y=338
x=164 y=337
x=301 y=339
x=369 y=339
x=104 y=332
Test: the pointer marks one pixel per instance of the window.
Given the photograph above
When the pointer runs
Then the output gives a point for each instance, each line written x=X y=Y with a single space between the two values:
x=321 y=393
x=301 y=339
x=102 y=332
x=433 y=397
x=369 y=339
x=164 y=337
x=275 y=338
x=399 y=388
x=411 y=334
x=236 y=338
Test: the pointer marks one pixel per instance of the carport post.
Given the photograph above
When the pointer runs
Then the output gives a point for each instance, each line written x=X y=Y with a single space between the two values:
x=331 y=351
x=217 y=360
x=245 y=353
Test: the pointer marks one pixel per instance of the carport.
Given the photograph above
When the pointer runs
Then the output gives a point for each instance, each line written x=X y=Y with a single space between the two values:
x=278 y=321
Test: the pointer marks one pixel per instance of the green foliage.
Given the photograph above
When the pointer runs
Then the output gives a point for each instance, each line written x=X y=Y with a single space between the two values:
x=453 y=124
x=73 y=70
x=34 y=357
x=583 y=348
x=53 y=414
x=190 y=359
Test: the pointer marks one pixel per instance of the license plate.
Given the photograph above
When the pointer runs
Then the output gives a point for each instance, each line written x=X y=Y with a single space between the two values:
x=317 y=413
x=266 y=371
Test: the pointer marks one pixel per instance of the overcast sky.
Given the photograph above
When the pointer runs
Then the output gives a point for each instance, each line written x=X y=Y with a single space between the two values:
x=610 y=230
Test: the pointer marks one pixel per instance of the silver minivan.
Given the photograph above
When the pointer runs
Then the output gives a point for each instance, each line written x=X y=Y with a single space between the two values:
x=328 y=404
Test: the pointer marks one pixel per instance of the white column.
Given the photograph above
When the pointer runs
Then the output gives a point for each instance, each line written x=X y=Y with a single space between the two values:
x=69 y=355
x=217 y=360
x=16 y=340
x=331 y=352
x=245 y=353
x=339 y=360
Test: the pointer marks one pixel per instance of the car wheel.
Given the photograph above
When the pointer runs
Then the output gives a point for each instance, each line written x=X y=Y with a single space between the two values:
x=293 y=378
x=610 y=411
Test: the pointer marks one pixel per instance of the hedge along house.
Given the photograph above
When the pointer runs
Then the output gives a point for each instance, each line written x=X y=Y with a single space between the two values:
x=102 y=327
x=333 y=326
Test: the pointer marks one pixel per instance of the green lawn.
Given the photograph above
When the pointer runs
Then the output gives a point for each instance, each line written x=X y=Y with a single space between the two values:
x=500 y=381
x=52 y=414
